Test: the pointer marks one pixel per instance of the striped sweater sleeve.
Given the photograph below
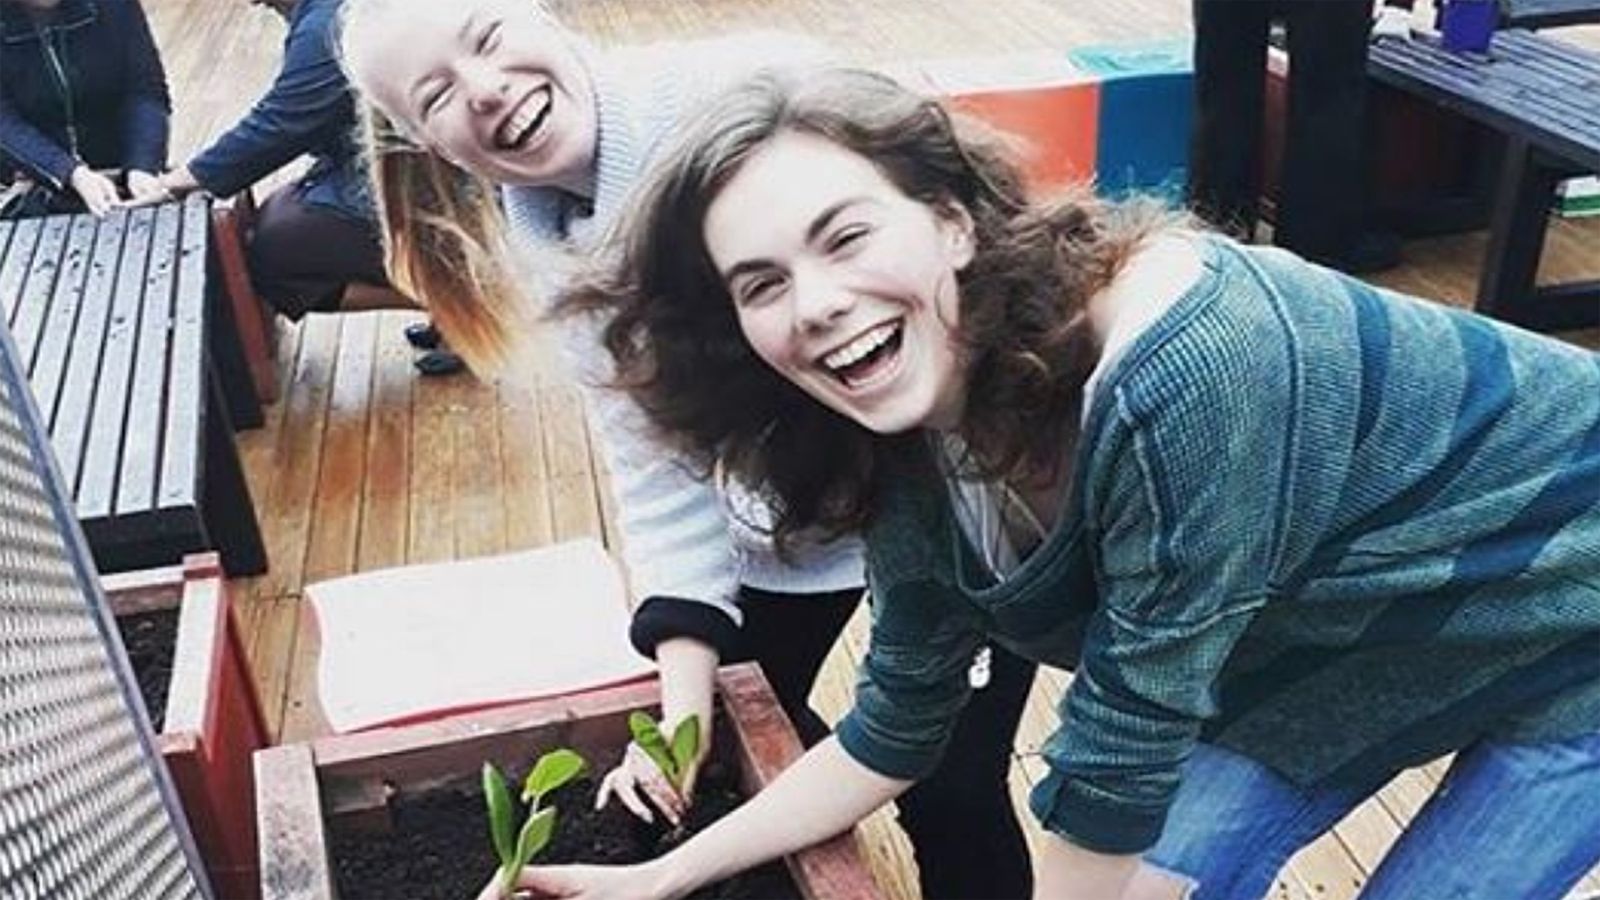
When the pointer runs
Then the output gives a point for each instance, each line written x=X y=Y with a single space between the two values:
x=1186 y=548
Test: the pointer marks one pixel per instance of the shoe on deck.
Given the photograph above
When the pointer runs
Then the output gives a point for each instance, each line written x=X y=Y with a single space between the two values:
x=422 y=335
x=439 y=362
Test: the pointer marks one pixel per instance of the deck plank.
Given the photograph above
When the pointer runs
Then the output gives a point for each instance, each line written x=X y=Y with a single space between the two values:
x=386 y=494
x=431 y=537
x=336 y=510
x=476 y=477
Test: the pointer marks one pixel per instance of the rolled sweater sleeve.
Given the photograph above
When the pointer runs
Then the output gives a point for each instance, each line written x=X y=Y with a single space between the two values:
x=147 y=109
x=912 y=684
x=1185 y=552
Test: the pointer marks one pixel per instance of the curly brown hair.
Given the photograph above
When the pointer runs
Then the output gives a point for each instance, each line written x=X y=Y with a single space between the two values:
x=679 y=351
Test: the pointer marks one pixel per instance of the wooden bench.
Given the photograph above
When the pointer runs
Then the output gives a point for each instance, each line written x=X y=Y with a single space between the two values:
x=1540 y=95
x=139 y=378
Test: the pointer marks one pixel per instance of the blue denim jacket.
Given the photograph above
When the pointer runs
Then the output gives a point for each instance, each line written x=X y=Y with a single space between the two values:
x=106 y=105
x=1337 y=530
x=310 y=109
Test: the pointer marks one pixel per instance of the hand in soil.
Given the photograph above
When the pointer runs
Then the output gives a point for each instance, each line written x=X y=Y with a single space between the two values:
x=637 y=772
x=580 y=883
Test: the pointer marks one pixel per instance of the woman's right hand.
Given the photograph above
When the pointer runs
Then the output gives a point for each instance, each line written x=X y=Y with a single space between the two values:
x=638 y=772
x=645 y=881
x=99 y=193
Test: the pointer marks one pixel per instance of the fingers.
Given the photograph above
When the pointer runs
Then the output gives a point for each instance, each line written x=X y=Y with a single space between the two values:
x=639 y=773
x=621 y=784
x=556 y=881
x=491 y=891
x=655 y=784
x=98 y=193
x=100 y=199
x=145 y=188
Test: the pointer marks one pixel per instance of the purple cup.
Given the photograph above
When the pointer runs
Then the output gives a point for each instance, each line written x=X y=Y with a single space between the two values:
x=1469 y=24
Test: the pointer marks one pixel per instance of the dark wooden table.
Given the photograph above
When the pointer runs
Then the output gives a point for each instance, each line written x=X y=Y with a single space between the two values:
x=1548 y=13
x=1543 y=96
x=138 y=374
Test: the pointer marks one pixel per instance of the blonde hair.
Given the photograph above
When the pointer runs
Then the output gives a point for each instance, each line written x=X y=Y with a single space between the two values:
x=445 y=238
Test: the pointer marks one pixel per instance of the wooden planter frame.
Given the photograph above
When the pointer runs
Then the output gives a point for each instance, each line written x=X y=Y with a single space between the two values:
x=347 y=777
x=213 y=721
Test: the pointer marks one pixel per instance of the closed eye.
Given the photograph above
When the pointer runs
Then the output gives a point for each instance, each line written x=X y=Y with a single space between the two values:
x=757 y=288
x=489 y=38
x=435 y=98
x=846 y=237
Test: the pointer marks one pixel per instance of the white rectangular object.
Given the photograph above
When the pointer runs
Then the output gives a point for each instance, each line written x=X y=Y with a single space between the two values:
x=421 y=641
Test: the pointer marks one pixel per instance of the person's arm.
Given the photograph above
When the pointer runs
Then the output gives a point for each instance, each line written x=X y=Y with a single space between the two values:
x=1186 y=551
x=308 y=100
x=821 y=795
x=43 y=159
x=147 y=104
x=824 y=793
x=913 y=685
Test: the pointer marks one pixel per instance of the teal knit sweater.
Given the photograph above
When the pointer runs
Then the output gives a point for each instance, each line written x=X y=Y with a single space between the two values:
x=1338 y=530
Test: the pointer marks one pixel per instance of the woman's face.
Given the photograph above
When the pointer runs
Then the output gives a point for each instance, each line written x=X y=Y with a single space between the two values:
x=493 y=87
x=842 y=283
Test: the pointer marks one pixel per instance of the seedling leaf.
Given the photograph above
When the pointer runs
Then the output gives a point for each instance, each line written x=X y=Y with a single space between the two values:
x=553 y=770
x=685 y=747
x=535 y=834
x=648 y=736
x=498 y=796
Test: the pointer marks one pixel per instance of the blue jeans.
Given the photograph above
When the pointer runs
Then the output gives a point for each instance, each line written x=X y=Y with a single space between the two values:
x=1509 y=821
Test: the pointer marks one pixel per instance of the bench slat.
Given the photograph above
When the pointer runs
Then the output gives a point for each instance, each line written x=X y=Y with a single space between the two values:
x=14 y=269
x=55 y=339
x=6 y=227
x=136 y=488
x=38 y=286
x=102 y=456
x=180 y=464
x=71 y=427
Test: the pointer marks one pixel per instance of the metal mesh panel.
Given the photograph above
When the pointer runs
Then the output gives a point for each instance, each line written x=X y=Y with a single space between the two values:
x=82 y=812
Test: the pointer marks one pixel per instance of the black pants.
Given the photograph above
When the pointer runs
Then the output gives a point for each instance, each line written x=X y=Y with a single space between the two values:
x=302 y=255
x=1322 y=189
x=960 y=820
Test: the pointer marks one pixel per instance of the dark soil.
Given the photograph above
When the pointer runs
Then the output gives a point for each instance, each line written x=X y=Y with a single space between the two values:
x=151 y=639
x=440 y=846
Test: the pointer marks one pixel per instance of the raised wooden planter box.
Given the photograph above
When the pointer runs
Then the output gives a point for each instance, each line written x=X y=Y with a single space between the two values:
x=213 y=722
x=328 y=783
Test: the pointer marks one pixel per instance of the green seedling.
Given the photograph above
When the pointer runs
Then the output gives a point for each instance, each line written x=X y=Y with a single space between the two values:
x=515 y=848
x=677 y=758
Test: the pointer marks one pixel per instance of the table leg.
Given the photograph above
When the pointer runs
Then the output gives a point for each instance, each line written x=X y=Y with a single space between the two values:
x=225 y=503
x=1516 y=235
x=229 y=361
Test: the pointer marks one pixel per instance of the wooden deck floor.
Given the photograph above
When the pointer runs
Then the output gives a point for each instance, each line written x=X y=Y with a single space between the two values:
x=362 y=466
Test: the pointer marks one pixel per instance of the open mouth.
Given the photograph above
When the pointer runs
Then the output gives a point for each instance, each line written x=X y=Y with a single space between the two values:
x=524 y=123
x=868 y=358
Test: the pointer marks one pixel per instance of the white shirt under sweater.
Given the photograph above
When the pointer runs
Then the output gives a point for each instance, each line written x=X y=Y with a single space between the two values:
x=682 y=537
x=996 y=522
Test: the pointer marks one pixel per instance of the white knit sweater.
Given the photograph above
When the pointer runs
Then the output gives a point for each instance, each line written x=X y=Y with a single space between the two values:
x=682 y=537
